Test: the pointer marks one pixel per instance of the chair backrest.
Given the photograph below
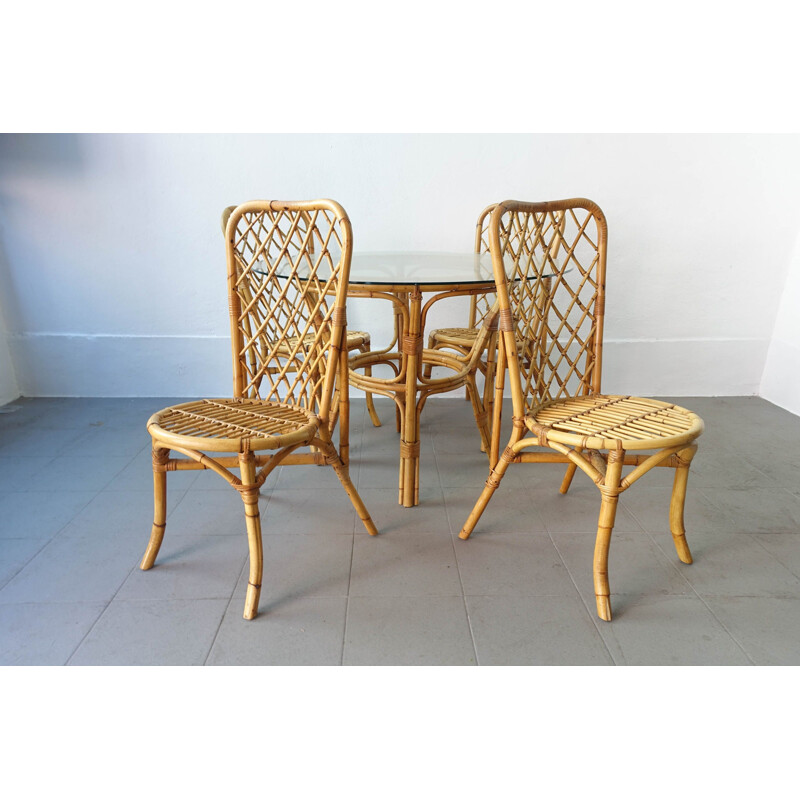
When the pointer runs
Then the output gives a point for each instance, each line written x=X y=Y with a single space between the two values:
x=551 y=316
x=481 y=304
x=288 y=268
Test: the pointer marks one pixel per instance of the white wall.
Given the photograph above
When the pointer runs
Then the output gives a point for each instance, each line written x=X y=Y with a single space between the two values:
x=9 y=390
x=115 y=279
x=781 y=381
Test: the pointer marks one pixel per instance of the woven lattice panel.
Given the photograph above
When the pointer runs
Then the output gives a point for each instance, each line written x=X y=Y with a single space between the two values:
x=287 y=268
x=483 y=302
x=556 y=300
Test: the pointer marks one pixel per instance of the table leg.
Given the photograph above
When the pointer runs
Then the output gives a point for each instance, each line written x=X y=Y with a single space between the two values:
x=411 y=347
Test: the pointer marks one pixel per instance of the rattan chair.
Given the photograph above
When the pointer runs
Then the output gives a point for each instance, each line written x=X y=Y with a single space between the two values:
x=551 y=341
x=462 y=340
x=359 y=341
x=288 y=322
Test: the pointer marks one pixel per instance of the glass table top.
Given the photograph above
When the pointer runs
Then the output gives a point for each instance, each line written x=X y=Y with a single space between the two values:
x=412 y=268
x=419 y=268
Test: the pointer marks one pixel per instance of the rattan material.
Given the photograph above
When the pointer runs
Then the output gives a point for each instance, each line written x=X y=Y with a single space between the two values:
x=288 y=267
x=359 y=341
x=613 y=422
x=551 y=344
x=462 y=340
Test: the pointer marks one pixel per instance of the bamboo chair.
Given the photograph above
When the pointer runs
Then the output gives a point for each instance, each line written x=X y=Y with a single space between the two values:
x=462 y=340
x=359 y=341
x=288 y=354
x=551 y=342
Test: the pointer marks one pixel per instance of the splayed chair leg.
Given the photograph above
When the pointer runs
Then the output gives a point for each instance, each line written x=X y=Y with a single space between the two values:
x=678 y=502
x=247 y=462
x=492 y=482
x=343 y=473
x=605 y=525
x=160 y=459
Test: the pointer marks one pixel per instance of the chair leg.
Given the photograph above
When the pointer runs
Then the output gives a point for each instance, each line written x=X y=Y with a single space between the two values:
x=247 y=463
x=605 y=525
x=428 y=368
x=160 y=458
x=343 y=473
x=373 y=414
x=478 y=410
x=677 y=504
x=568 y=476
x=492 y=482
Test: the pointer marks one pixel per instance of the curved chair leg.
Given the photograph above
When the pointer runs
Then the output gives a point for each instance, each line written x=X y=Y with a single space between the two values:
x=677 y=503
x=247 y=462
x=481 y=417
x=428 y=368
x=373 y=414
x=605 y=525
x=160 y=458
x=343 y=473
x=492 y=482
x=568 y=476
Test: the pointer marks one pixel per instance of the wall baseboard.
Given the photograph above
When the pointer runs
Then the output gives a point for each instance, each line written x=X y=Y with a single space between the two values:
x=56 y=365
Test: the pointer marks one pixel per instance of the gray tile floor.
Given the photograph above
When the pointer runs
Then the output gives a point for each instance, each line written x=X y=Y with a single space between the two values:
x=75 y=513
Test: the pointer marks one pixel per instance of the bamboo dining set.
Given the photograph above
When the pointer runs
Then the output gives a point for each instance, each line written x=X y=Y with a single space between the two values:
x=536 y=283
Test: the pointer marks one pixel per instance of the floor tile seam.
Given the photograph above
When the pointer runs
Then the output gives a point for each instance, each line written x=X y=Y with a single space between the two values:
x=227 y=608
x=117 y=473
x=726 y=629
x=100 y=616
x=22 y=567
x=705 y=604
x=766 y=549
x=347 y=601
x=56 y=535
x=592 y=612
x=669 y=556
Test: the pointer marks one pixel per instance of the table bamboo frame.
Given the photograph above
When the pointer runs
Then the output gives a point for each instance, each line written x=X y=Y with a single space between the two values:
x=405 y=354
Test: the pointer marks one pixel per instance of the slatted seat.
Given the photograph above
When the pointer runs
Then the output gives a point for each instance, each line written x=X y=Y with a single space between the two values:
x=233 y=425
x=355 y=339
x=608 y=422
x=288 y=334
x=550 y=342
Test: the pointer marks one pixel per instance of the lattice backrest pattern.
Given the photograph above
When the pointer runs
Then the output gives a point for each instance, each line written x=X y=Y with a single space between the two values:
x=288 y=267
x=557 y=303
x=481 y=304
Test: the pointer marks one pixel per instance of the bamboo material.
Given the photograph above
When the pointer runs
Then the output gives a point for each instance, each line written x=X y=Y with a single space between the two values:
x=359 y=341
x=551 y=340
x=409 y=387
x=462 y=340
x=290 y=357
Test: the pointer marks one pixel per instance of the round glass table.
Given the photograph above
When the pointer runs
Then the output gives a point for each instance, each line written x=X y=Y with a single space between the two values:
x=401 y=278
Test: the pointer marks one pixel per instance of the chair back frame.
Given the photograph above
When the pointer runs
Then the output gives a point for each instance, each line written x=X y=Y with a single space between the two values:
x=285 y=259
x=552 y=316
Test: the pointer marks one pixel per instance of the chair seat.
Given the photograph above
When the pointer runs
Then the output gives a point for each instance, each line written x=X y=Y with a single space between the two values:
x=233 y=425
x=609 y=422
x=354 y=339
x=463 y=337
